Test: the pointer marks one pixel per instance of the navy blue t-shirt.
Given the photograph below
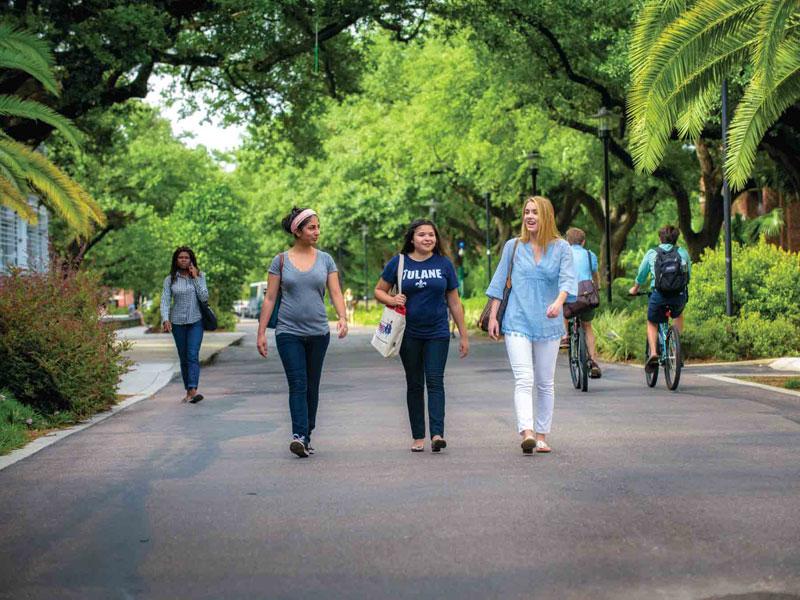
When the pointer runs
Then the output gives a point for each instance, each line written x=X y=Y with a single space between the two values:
x=425 y=285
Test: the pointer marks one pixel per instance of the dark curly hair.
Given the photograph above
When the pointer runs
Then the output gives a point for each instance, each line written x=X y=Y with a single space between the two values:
x=408 y=245
x=173 y=271
x=286 y=223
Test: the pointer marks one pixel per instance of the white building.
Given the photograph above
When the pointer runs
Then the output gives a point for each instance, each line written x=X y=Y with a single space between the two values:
x=23 y=244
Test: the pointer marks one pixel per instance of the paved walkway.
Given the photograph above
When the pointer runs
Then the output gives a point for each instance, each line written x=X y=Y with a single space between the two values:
x=648 y=494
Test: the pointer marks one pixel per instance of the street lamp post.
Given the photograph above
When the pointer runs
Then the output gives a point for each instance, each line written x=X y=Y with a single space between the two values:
x=533 y=162
x=486 y=199
x=364 y=232
x=606 y=120
x=726 y=205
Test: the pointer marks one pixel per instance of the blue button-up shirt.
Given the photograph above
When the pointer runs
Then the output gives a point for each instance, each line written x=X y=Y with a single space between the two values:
x=185 y=292
x=534 y=287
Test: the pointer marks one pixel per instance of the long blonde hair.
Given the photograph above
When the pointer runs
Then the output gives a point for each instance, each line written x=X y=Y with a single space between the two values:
x=547 y=222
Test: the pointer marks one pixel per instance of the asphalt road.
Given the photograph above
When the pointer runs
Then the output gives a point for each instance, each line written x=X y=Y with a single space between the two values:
x=648 y=493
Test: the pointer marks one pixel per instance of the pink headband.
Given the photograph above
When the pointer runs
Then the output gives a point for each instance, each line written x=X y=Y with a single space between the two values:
x=300 y=218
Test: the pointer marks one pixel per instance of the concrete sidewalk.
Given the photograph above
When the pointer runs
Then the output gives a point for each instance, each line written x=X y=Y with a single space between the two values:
x=157 y=360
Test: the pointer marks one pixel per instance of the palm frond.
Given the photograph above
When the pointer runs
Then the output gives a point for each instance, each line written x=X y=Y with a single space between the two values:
x=11 y=197
x=755 y=113
x=31 y=51
x=59 y=191
x=36 y=111
x=13 y=59
x=773 y=19
x=653 y=17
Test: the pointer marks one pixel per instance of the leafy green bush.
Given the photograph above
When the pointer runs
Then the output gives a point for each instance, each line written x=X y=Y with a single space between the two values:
x=792 y=384
x=620 y=335
x=55 y=355
x=766 y=293
x=766 y=288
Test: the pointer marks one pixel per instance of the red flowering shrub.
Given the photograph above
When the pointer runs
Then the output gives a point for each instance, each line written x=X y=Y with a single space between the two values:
x=54 y=353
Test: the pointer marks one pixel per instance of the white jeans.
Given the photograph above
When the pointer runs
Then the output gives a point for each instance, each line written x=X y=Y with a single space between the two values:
x=533 y=361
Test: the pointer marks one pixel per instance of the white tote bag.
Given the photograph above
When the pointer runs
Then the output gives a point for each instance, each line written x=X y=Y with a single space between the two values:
x=389 y=334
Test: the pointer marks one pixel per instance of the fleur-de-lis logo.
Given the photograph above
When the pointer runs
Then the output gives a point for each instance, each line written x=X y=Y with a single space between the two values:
x=420 y=283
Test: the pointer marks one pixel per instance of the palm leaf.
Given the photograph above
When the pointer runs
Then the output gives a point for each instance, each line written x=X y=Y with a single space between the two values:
x=33 y=55
x=773 y=20
x=13 y=59
x=60 y=193
x=683 y=62
x=11 y=197
x=36 y=111
x=759 y=109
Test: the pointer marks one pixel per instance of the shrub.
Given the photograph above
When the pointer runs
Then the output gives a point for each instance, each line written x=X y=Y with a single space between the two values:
x=54 y=353
x=766 y=280
x=792 y=384
x=760 y=337
x=620 y=335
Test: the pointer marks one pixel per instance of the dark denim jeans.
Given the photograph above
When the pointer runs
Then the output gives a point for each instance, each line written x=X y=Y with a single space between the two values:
x=424 y=362
x=302 y=358
x=188 y=339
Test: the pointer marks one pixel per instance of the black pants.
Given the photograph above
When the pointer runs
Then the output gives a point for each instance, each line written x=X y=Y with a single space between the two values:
x=424 y=362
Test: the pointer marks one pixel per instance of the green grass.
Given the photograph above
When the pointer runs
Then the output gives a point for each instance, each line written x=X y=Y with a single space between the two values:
x=17 y=421
x=20 y=424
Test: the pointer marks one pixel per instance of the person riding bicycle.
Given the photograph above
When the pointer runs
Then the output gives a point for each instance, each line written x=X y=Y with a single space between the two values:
x=585 y=262
x=669 y=267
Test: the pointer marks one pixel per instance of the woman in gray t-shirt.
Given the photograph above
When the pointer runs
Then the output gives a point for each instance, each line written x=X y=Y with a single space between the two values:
x=302 y=333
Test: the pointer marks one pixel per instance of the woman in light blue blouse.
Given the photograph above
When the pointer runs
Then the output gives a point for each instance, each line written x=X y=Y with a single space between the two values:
x=184 y=289
x=541 y=279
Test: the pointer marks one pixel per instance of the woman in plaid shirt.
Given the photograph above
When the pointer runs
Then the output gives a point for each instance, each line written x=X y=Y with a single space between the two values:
x=184 y=289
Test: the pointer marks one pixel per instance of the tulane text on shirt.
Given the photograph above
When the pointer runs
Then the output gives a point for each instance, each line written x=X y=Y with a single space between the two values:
x=422 y=274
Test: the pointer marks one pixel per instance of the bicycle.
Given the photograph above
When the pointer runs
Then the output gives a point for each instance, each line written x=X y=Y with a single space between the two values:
x=578 y=355
x=668 y=349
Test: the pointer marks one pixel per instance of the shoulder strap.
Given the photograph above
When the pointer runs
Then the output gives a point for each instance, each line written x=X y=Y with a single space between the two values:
x=511 y=263
x=400 y=264
x=281 y=263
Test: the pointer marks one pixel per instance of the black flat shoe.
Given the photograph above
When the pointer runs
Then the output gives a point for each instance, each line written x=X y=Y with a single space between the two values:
x=437 y=445
x=196 y=398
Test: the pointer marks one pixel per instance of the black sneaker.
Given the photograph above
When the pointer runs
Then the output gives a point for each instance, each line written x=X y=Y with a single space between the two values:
x=298 y=447
x=651 y=364
x=309 y=449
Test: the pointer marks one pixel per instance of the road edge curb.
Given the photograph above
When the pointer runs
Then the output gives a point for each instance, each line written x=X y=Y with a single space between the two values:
x=763 y=386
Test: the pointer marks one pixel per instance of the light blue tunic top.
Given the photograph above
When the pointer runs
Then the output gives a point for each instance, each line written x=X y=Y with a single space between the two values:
x=534 y=287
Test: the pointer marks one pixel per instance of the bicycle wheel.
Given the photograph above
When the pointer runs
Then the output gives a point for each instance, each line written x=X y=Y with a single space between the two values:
x=583 y=361
x=574 y=356
x=650 y=378
x=672 y=362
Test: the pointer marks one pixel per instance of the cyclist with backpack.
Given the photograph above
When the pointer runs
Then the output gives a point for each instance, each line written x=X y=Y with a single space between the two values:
x=669 y=267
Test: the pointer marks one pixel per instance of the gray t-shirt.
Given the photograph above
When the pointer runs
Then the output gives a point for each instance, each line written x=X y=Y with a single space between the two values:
x=302 y=310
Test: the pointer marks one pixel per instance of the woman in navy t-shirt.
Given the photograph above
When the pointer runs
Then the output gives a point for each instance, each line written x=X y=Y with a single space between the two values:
x=430 y=288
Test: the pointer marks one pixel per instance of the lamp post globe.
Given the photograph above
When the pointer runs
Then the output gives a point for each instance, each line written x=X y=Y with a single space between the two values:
x=533 y=157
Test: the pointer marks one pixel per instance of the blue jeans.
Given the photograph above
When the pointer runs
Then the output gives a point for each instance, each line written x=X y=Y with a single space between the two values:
x=188 y=339
x=302 y=358
x=424 y=362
